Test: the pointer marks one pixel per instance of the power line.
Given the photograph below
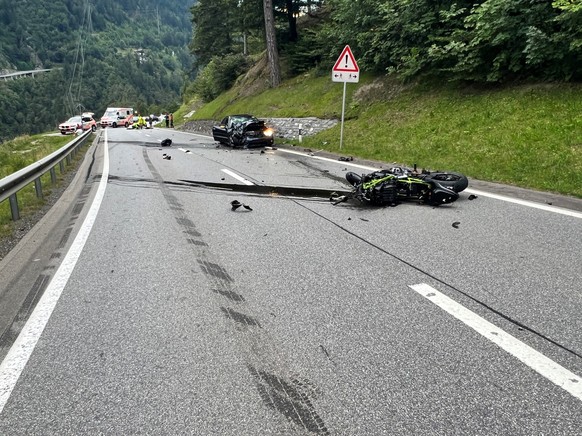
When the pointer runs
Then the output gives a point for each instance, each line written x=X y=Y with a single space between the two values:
x=73 y=101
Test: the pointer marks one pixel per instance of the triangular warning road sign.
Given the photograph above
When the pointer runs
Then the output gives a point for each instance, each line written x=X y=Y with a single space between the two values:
x=346 y=63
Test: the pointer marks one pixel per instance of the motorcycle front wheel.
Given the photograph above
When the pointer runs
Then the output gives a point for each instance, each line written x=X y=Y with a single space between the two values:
x=353 y=178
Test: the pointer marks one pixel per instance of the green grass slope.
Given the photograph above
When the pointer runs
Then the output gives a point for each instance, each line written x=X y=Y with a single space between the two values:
x=19 y=153
x=527 y=135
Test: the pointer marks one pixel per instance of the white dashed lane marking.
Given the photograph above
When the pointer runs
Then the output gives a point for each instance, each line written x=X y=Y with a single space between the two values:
x=543 y=365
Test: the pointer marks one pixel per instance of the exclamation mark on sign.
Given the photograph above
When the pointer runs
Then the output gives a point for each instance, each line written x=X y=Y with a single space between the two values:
x=346 y=61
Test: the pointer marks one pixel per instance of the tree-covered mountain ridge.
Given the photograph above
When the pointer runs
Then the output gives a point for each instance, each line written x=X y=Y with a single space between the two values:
x=101 y=53
x=40 y=34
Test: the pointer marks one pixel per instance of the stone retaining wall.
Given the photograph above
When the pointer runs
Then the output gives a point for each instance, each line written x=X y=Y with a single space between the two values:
x=288 y=128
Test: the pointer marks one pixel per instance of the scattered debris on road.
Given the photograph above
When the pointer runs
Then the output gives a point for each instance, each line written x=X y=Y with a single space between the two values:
x=236 y=204
x=166 y=156
x=166 y=142
x=456 y=224
x=472 y=197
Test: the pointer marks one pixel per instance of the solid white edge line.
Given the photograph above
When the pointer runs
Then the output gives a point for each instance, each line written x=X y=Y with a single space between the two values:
x=526 y=203
x=549 y=369
x=200 y=134
x=18 y=355
x=545 y=207
x=326 y=159
x=236 y=176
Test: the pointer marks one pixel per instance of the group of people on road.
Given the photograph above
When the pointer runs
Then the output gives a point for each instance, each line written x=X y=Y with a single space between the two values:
x=141 y=121
x=169 y=120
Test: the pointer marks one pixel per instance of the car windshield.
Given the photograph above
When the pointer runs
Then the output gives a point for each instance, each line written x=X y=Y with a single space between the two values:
x=242 y=119
x=110 y=114
x=74 y=120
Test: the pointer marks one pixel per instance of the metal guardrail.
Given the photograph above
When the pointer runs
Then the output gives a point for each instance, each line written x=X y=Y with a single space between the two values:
x=10 y=185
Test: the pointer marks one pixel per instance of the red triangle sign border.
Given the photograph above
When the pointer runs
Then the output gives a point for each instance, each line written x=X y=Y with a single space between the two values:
x=346 y=52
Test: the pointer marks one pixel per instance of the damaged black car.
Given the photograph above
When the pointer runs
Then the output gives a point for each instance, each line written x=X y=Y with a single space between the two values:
x=243 y=131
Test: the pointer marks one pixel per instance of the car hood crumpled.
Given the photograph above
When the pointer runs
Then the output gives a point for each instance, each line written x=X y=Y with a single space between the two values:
x=252 y=125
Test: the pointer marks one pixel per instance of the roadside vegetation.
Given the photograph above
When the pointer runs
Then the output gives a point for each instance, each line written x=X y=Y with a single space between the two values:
x=490 y=88
x=18 y=154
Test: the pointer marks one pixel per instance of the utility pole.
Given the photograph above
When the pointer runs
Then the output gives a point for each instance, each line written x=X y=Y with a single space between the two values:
x=158 y=19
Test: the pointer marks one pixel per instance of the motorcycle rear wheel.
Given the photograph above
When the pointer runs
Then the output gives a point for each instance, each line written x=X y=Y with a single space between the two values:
x=455 y=181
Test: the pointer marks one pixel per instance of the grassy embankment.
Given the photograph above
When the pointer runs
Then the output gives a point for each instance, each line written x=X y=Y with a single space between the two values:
x=17 y=154
x=527 y=135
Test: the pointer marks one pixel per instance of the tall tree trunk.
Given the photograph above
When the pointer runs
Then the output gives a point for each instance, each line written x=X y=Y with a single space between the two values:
x=272 y=52
x=292 y=20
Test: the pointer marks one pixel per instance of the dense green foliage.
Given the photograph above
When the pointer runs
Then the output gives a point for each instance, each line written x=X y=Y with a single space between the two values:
x=225 y=30
x=480 y=41
x=468 y=40
x=104 y=53
x=218 y=75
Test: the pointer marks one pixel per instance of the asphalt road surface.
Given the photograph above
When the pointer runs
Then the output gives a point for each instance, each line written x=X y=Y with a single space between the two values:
x=143 y=304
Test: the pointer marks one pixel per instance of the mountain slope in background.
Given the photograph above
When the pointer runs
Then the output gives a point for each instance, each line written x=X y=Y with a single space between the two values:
x=102 y=53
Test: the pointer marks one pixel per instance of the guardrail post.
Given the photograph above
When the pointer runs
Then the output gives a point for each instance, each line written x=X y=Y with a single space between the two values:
x=14 y=207
x=53 y=176
x=38 y=187
x=68 y=159
x=62 y=166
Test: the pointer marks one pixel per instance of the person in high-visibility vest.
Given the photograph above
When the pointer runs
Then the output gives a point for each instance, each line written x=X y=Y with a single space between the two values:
x=141 y=122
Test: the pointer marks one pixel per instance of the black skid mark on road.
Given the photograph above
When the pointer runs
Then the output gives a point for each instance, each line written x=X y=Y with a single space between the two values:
x=85 y=192
x=141 y=142
x=78 y=208
x=286 y=191
x=289 y=399
x=231 y=295
x=215 y=270
x=185 y=222
x=113 y=178
x=36 y=291
x=65 y=237
x=80 y=204
x=317 y=172
x=240 y=318
x=173 y=201
x=282 y=392
x=197 y=242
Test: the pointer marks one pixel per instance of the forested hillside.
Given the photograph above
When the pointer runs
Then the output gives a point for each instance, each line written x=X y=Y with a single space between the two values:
x=105 y=52
x=487 y=42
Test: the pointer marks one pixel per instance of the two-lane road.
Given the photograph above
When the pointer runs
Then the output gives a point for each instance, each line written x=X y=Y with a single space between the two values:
x=164 y=311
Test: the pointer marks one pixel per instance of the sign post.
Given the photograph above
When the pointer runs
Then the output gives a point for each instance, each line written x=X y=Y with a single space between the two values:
x=345 y=70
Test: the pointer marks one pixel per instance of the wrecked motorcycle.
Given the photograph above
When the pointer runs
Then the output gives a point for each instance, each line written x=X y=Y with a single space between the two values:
x=390 y=186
